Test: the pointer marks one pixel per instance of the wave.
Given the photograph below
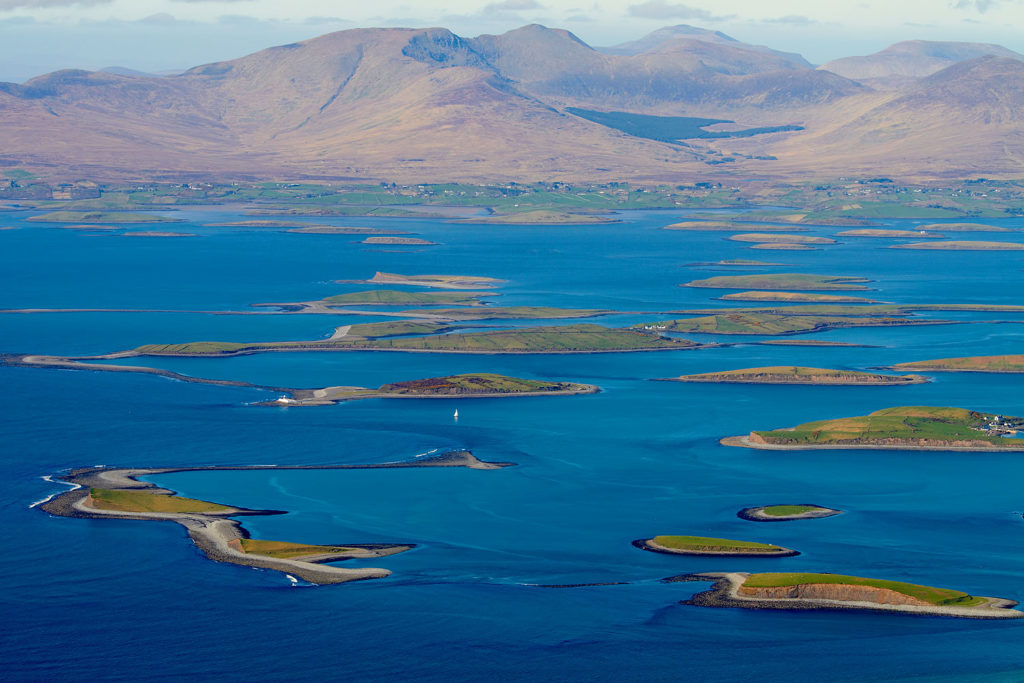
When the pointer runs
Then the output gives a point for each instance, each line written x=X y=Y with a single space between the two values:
x=49 y=478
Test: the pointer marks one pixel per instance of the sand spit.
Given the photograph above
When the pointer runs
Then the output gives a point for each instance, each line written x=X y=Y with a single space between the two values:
x=218 y=536
x=726 y=593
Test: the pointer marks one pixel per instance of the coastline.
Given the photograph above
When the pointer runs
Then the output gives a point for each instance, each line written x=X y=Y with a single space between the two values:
x=215 y=532
x=650 y=546
x=745 y=442
x=725 y=593
x=905 y=380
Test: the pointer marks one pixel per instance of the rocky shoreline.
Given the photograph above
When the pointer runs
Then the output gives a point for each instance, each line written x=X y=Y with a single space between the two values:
x=757 y=514
x=651 y=546
x=746 y=442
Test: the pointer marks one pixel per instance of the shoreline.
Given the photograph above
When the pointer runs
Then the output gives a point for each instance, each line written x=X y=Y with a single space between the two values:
x=745 y=442
x=650 y=546
x=215 y=532
x=725 y=593
x=917 y=379
x=757 y=514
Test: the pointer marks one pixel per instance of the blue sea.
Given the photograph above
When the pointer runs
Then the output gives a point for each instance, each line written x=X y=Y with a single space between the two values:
x=101 y=599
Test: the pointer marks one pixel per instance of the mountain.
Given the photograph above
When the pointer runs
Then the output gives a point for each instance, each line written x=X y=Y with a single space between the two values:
x=912 y=59
x=421 y=105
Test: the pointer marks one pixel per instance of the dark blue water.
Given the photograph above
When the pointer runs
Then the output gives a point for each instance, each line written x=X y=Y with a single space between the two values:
x=107 y=599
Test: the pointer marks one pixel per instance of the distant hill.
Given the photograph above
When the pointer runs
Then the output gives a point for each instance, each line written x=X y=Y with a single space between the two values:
x=912 y=59
x=421 y=105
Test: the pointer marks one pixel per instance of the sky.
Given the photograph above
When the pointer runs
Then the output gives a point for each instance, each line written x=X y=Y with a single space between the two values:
x=40 y=36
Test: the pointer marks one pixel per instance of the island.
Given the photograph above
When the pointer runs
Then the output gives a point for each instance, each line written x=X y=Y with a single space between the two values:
x=728 y=226
x=813 y=342
x=962 y=245
x=392 y=297
x=796 y=297
x=470 y=385
x=438 y=281
x=783 y=281
x=405 y=241
x=791 y=374
x=805 y=591
x=871 y=232
x=776 y=324
x=963 y=227
x=919 y=428
x=539 y=217
x=768 y=238
x=157 y=233
x=996 y=364
x=737 y=262
x=115 y=217
x=335 y=230
x=718 y=547
x=119 y=493
x=505 y=313
x=786 y=512
x=784 y=246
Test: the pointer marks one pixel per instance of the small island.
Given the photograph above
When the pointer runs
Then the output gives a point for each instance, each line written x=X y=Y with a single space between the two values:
x=336 y=230
x=438 y=281
x=740 y=262
x=540 y=217
x=813 y=342
x=470 y=385
x=115 y=217
x=805 y=591
x=996 y=364
x=918 y=428
x=775 y=324
x=871 y=232
x=119 y=493
x=790 y=374
x=768 y=238
x=783 y=281
x=962 y=245
x=796 y=297
x=728 y=226
x=157 y=233
x=786 y=513
x=963 y=227
x=393 y=297
x=784 y=246
x=405 y=241
x=717 y=547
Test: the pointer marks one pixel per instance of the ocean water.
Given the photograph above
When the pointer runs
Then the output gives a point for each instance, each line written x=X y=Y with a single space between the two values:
x=135 y=600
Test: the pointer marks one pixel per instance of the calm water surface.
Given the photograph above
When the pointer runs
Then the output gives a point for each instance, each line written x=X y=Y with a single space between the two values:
x=119 y=600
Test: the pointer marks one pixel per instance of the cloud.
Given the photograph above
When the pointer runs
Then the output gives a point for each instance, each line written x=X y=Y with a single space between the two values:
x=579 y=18
x=198 y=1
x=40 y=4
x=159 y=18
x=662 y=9
x=512 y=5
x=792 y=20
x=981 y=6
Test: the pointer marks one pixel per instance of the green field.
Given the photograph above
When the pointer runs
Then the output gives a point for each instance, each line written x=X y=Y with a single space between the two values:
x=473 y=383
x=390 y=297
x=790 y=374
x=718 y=545
x=942 y=597
x=1010 y=363
x=771 y=324
x=86 y=217
x=284 y=550
x=789 y=510
x=783 y=281
x=143 y=501
x=922 y=426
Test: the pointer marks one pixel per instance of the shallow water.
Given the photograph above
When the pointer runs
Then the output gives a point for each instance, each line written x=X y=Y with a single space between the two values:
x=137 y=600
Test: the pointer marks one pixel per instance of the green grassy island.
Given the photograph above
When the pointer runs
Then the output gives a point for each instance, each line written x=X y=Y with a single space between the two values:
x=870 y=232
x=962 y=245
x=439 y=281
x=784 y=246
x=769 y=238
x=783 y=281
x=507 y=313
x=403 y=241
x=540 y=217
x=702 y=545
x=790 y=374
x=786 y=513
x=796 y=297
x=728 y=226
x=392 y=297
x=115 y=217
x=998 y=364
x=773 y=324
x=963 y=227
x=580 y=338
x=902 y=428
x=470 y=385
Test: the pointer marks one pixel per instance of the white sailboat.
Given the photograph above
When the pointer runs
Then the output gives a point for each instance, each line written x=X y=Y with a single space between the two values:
x=456 y=416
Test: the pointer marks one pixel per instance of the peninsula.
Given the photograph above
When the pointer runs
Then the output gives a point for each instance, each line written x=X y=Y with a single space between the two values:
x=118 y=493
x=790 y=374
x=776 y=324
x=783 y=281
x=924 y=428
x=804 y=591
x=115 y=217
x=963 y=227
x=786 y=513
x=997 y=364
x=718 y=547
